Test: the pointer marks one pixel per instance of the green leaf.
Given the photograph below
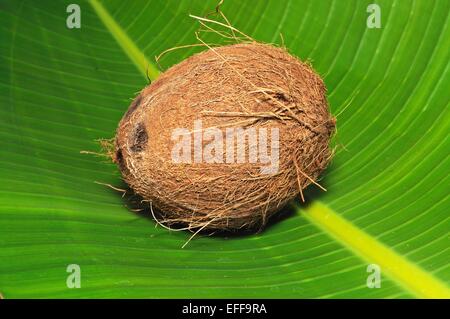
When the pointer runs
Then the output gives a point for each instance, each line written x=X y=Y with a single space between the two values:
x=387 y=200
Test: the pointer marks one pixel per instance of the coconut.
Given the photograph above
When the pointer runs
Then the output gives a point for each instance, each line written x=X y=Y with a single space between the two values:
x=224 y=139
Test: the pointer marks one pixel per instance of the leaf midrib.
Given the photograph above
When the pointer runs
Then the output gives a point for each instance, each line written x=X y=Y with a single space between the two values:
x=406 y=273
x=128 y=46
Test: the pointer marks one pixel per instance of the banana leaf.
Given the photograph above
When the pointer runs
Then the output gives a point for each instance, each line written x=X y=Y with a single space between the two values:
x=387 y=201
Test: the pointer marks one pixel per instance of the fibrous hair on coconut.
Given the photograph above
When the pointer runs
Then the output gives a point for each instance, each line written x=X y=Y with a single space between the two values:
x=243 y=85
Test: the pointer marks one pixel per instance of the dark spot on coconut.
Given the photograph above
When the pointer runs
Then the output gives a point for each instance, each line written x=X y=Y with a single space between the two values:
x=281 y=97
x=120 y=161
x=139 y=138
x=331 y=125
x=119 y=157
x=134 y=105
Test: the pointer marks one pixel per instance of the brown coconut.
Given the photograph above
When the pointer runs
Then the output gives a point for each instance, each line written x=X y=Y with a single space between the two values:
x=243 y=85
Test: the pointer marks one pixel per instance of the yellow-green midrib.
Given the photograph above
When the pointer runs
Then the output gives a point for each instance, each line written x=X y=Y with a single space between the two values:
x=407 y=274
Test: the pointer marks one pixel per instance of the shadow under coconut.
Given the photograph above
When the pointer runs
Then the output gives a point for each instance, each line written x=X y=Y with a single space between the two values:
x=135 y=204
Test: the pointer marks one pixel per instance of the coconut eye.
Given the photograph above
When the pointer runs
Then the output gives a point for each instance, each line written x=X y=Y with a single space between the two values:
x=139 y=138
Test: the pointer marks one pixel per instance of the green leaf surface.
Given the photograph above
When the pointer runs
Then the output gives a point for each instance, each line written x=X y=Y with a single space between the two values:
x=387 y=201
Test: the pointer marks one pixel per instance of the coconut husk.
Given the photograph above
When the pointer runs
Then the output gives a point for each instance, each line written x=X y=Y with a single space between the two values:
x=249 y=85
